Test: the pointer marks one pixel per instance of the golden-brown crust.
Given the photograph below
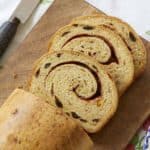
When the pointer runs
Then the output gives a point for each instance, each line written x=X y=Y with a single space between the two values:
x=26 y=122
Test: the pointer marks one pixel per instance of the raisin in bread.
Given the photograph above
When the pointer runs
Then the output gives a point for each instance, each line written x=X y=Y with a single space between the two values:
x=102 y=44
x=126 y=32
x=77 y=84
x=28 y=123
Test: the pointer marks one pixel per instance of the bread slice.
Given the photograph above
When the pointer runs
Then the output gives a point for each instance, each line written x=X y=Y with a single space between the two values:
x=28 y=123
x=101 y=43
x=77 y=84
x=125 y=31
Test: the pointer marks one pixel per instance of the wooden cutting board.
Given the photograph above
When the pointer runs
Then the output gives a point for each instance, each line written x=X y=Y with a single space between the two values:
x=134 y=106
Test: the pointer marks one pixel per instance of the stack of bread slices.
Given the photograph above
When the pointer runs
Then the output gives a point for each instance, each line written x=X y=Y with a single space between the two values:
x=91 y=62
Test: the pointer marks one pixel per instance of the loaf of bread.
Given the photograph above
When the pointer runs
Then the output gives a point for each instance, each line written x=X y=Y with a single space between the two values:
x=101 y=43
x=28 y=123
x=125 y=31
x=77 y=84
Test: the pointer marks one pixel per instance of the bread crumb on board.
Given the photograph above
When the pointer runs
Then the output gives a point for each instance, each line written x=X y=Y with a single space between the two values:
x=20 y=87
x=15 y=75
x=1 y=66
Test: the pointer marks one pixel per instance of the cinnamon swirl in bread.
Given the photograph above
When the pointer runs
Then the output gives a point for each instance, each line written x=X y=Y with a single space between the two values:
x=77 y=84
x=125 y=31
x=102 y=44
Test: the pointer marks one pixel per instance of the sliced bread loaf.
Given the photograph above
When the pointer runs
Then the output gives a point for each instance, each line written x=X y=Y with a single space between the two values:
x=125 y=31
x=77 y=84
x=101 y=43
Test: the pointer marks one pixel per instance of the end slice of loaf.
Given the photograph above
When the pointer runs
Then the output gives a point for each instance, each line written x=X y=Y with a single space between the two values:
x=28 y=123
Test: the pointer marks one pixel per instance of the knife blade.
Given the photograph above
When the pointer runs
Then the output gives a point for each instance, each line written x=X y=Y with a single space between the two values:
x=24 y=10
x=20 y=15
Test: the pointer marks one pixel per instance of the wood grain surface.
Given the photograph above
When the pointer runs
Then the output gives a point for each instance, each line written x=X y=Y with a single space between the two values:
x=134 y=106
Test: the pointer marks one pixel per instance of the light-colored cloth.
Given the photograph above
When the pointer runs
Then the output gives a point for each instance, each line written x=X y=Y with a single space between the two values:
x=136 y=12
x=147 y=140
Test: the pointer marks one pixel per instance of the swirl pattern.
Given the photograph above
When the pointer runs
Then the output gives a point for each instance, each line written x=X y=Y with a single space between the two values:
x=102 y=44
x=78 y=85
x=125 y=31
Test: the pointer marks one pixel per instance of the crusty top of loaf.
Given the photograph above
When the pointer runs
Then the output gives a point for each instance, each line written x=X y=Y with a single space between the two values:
x=26 y=122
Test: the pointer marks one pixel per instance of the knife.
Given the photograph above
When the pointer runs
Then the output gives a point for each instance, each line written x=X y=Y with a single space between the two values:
x=19 y=16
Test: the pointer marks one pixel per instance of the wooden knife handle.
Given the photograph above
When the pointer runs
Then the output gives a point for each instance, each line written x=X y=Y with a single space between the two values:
x=7 y=32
